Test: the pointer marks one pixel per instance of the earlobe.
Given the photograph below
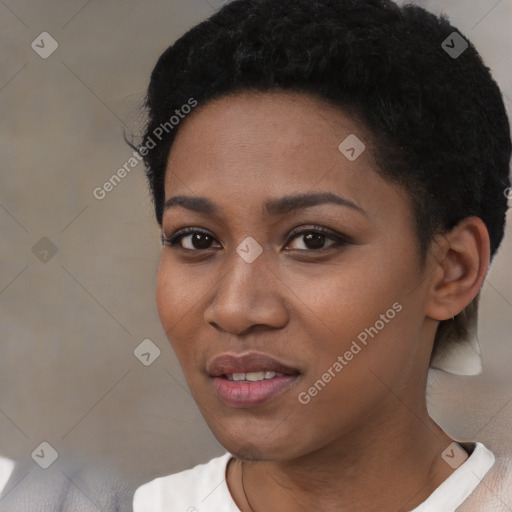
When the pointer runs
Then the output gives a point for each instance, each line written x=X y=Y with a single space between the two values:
x=461 y=266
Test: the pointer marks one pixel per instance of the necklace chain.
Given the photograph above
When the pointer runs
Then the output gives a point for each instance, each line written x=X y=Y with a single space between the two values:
x=243 y=488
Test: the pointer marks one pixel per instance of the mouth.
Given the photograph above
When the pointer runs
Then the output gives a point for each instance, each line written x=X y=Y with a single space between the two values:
x=251 y=366
x=253 y=376
x=250 y=379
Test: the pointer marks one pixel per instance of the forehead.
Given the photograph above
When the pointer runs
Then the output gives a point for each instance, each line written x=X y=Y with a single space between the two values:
x=254 y=146
x=262 y=129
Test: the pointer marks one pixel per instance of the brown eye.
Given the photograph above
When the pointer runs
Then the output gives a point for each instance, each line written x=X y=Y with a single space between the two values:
x=195 y=240
x=312 y=240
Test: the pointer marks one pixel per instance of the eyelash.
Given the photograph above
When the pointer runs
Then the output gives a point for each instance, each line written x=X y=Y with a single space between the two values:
x=339 y=240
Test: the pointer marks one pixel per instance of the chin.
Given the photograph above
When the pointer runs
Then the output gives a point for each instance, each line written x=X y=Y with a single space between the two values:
x=247 y=445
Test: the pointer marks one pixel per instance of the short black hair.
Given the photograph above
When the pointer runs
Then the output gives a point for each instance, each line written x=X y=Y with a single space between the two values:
x=438 y=121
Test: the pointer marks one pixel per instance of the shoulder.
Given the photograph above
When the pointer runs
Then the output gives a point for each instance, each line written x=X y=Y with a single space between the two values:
x=201 y=488
x=499 y=479
x=494 y=489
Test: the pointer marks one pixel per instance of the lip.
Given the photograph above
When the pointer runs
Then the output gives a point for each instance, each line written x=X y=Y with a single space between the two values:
x=247 y=362
x=241 y=394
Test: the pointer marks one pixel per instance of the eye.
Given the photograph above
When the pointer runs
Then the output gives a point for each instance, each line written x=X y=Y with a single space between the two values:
x=198 y=239
x=314 y=238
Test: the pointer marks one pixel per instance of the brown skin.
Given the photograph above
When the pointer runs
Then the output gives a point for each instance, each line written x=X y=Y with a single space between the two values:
x=366 y=441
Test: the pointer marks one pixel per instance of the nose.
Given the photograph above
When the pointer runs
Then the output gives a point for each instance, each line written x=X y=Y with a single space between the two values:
x=248 y=295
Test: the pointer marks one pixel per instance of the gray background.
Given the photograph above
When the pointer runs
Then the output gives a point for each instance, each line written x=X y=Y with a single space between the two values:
x=69 y=325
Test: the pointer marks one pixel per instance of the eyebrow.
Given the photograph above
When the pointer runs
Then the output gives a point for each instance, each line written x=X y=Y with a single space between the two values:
x=272 y=207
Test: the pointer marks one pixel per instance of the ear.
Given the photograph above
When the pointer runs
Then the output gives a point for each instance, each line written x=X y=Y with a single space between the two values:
x=461 y=261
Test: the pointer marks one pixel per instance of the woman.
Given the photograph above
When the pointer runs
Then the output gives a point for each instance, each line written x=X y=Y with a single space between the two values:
x=330 y=178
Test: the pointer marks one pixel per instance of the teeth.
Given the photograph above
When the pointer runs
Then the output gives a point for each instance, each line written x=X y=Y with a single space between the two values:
x=253 y=376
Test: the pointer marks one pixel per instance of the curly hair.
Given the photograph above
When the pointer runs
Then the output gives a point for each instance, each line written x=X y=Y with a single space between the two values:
x=438 y=121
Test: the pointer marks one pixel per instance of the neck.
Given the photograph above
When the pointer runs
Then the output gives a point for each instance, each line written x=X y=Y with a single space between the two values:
x=379 y=467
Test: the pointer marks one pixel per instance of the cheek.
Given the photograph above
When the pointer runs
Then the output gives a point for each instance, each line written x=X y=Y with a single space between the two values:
x=182 y=293
x=176 y=296
x=178 y=290
x=362 y=311
x=338 y=302
x=165 y=298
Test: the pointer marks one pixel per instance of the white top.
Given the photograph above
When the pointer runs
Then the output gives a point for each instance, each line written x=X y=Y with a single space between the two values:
x=204 y=488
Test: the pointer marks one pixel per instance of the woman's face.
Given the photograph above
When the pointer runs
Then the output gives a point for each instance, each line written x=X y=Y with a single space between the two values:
x=333 y=322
